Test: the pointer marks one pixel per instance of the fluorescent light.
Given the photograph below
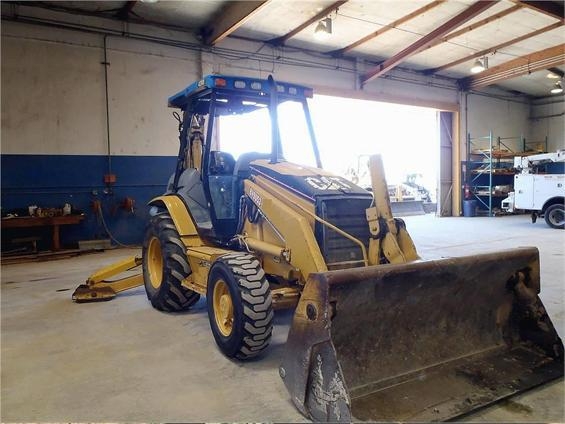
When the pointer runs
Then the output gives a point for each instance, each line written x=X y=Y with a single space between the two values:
x=557 y=88
x=324 y=29
x=477 y=67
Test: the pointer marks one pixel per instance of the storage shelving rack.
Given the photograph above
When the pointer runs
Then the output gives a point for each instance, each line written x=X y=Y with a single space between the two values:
x=485 y=168
x=502 y=143
x=535 y=146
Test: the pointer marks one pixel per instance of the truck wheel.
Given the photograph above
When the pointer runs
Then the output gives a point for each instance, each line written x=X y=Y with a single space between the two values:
x=165 y=266
x=239 y=305
x=555 y=216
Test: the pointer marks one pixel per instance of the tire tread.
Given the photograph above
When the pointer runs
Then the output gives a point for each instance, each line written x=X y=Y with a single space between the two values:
x=256 y=301
x=171 y=296
x=548 y=215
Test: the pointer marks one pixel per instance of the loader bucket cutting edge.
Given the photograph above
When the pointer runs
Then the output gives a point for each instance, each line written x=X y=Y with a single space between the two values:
x=425 y=341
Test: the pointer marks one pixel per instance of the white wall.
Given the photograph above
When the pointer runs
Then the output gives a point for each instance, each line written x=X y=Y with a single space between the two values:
x=504 y=118
x=53 y=98
x=332 y=76
x=53 y=94
x=53 y=87
x=548 y=120
x=141 y=78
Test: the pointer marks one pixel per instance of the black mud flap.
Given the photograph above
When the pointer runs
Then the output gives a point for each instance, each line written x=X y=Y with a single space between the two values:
x=425 y=341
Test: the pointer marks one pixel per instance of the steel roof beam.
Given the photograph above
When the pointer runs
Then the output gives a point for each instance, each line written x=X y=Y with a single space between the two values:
x=547 y=58
x=549 y=8
x=231 y=17
x=125 y=10
x=279 y=41
x=386 y=28
x=476 y=25
x=494 y=48
x=557 y=71
x=421 y=44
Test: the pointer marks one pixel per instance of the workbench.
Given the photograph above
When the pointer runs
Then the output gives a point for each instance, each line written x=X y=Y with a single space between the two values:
x=34 y=221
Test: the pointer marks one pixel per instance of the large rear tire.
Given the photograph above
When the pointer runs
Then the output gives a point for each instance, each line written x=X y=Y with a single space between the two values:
x=555 y=216
x=239 y=305
x=165 y=265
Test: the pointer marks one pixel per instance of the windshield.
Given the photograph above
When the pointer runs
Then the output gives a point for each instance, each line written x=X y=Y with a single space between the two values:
x=251 y=132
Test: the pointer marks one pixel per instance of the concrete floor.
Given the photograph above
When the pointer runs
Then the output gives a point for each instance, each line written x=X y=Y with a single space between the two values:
x=124 y=361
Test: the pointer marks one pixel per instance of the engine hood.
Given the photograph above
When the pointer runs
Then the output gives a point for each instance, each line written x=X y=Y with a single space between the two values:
x=307 y=181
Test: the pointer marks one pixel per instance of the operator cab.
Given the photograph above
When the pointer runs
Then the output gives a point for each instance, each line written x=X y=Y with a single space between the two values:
x=227 y=123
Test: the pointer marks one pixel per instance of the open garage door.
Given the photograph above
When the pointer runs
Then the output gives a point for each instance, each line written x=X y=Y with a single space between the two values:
x=446 y=181
x=407 y=137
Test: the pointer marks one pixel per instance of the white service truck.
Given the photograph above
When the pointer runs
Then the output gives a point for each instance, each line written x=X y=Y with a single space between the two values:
x=542 y=194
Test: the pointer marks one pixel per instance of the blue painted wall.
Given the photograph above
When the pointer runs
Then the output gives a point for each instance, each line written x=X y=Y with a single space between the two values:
x=53 y=180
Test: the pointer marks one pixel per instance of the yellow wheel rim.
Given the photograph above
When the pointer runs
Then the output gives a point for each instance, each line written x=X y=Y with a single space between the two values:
x=223 y=308
x=155 y=262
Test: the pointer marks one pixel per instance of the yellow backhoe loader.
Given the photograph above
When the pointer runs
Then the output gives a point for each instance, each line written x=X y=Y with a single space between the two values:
x=378 y=334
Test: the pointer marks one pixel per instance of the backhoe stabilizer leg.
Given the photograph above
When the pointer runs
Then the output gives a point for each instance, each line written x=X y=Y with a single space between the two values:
x=98 y=288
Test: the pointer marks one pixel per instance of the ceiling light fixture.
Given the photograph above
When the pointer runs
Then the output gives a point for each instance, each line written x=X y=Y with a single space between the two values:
x=480 y=65
x=323 y=29
x=553 y=75
x=557 y=88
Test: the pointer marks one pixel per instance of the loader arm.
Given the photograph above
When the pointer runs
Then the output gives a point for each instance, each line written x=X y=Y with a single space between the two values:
x=389 y=238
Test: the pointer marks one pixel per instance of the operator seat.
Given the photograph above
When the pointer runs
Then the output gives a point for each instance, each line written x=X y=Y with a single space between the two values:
x=241 y=168
x=191 y=191
x=221 y=163
x=220 y=182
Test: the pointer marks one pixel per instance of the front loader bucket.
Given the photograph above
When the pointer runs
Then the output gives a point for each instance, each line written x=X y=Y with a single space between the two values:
x=424 y=341
x=407 y=208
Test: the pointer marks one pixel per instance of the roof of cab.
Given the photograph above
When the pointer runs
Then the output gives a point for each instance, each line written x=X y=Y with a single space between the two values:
x=243 y=85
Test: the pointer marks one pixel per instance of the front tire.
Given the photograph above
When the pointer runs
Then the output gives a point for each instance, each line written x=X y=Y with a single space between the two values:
x=239 y=305
x=165 y=265
x=555 y=216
